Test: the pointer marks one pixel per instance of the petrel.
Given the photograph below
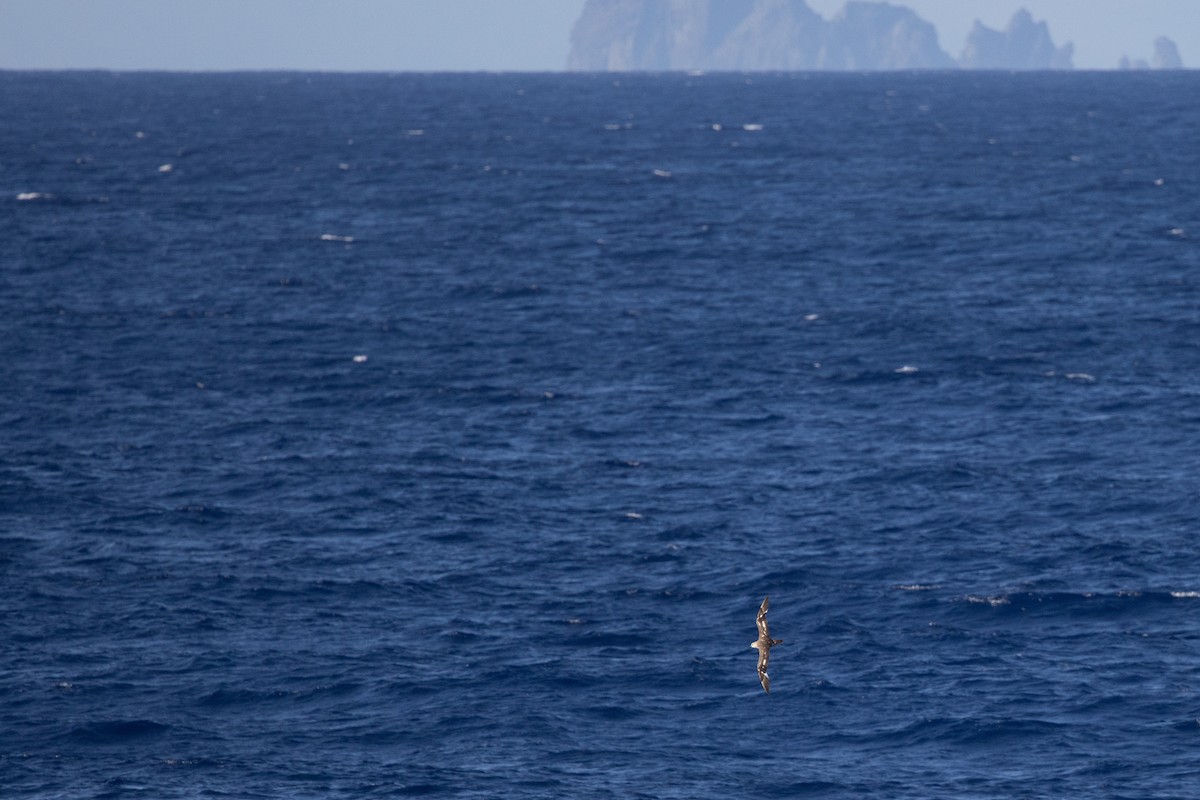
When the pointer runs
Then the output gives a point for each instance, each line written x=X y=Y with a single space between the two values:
x=763 y=645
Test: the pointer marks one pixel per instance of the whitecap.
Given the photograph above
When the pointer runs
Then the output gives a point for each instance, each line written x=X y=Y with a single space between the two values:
x=33 y=196
x=165 y=168
x=991 y=601
x=752 y=127
x=333 y=237
x=662 y=173
x=360 y=359
x=907 y=369
x=1185 y=595
x=1082 y=377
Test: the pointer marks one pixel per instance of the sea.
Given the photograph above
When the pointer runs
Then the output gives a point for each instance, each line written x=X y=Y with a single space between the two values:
x=372 y=436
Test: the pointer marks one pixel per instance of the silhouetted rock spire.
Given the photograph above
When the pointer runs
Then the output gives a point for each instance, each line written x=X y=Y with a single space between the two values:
x=1166 y=54
x=1023 y=45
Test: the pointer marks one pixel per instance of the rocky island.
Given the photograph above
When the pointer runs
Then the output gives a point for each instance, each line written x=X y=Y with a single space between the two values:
x=768 y=35
x=1166 y=56
x=1023 y=45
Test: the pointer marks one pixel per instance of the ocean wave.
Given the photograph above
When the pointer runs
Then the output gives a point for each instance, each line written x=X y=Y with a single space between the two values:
x=1079 y=603
x=931 y=396
x=964 y=732
x=116 y=731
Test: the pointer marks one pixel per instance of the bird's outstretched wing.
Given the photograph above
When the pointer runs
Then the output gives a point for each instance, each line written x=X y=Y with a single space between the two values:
x=762 y=620
x=764 y=656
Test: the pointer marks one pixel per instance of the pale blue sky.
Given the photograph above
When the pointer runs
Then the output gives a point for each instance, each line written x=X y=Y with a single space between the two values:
x=404 y=35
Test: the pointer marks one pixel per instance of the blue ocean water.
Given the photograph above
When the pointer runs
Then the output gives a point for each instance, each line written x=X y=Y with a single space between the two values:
x=380 y=436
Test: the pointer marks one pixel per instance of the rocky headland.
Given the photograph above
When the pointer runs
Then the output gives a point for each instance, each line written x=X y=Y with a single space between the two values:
x=1023 y=45
x=770 y=35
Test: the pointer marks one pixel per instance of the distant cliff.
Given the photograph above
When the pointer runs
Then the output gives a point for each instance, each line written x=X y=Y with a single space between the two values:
x=1166 y=56
x=624 y=35
x=1024 y=45
x=879 y=36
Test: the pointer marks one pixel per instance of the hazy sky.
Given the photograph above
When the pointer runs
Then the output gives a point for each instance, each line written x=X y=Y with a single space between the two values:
x=402 y=35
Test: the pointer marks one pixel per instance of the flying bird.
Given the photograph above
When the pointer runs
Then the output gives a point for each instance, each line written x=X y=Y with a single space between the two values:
x=763 y=645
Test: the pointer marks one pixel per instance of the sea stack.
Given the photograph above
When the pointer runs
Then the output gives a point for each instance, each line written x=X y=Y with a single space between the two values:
x=1023 y=45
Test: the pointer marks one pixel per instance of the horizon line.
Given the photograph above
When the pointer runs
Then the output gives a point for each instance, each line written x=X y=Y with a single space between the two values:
x=518 y=71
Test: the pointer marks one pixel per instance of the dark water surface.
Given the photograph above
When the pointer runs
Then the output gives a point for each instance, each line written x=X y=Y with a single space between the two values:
x=375 y=436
